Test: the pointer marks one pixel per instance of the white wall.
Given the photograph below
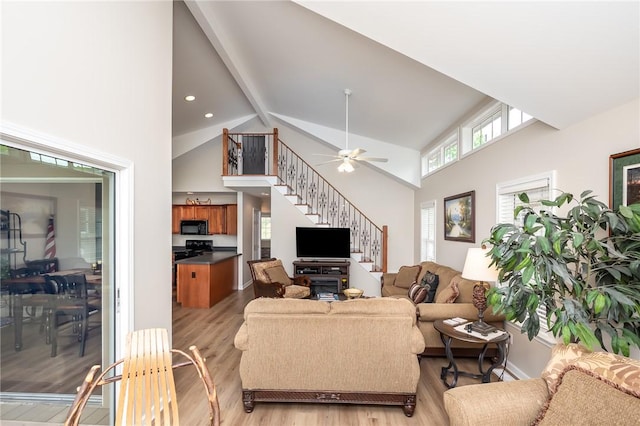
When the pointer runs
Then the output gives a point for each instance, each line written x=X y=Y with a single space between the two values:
x=578 y=154
x=98 y=74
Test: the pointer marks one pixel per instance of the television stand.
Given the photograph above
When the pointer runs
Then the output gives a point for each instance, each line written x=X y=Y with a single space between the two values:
x=327 y=276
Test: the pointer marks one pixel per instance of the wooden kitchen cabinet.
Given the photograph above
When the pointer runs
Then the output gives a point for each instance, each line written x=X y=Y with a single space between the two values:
x=176 y=217
x=232 y=219
x=204 y=285
x=222 y=219
x=217 y=218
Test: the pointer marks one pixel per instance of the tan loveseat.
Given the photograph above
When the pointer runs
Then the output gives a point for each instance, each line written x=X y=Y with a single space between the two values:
x=361 y=351
x=575 y=388
x=398 y=284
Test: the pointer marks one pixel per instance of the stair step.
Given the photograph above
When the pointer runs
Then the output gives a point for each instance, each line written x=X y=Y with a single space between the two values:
x=304 y=208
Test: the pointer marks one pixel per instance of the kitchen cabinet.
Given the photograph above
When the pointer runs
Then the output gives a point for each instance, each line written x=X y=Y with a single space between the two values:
x=217 y=219
x=222 y=218
x=176 y=217
x=232 y=219
x=204 y=281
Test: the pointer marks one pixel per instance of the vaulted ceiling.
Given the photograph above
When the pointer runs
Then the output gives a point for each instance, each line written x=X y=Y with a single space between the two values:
x=414 y=67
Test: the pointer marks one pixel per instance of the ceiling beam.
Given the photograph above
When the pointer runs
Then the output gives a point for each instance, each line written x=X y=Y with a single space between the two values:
x=204 y=16
x=189 y=141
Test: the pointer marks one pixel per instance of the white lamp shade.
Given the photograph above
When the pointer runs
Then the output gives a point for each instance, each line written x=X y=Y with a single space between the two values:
x=476 y=266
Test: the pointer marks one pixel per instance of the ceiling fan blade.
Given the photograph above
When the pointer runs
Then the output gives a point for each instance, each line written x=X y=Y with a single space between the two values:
x=357 y=152
x=328 y=155
x=330 y=161
x=377 y=159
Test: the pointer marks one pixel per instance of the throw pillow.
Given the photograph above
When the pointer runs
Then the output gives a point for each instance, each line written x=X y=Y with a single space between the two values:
x=417 y=293
x=407 y=275
x=260 y=267
x=448 y=294
x=277 y=274
x=561 y=357
x=431 y=280
x=583 y=397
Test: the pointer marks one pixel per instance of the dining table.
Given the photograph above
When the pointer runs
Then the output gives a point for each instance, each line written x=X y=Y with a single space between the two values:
x=20 y=286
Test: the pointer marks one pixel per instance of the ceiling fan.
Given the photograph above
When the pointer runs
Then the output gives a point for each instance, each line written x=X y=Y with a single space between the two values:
x=349 y=158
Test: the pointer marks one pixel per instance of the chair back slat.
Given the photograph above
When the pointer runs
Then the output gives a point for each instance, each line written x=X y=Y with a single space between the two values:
x=147 y=392
x=147 y=387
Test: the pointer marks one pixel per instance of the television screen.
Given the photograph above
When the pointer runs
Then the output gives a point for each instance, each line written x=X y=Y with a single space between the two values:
x=333 y=243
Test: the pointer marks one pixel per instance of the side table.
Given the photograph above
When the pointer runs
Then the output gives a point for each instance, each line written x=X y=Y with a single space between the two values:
x=448 y=333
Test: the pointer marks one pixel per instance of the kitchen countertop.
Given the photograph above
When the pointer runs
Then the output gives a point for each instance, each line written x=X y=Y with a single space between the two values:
x=208 y=258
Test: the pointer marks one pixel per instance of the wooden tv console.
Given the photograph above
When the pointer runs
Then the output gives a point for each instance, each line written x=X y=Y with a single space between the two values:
x=326 y=276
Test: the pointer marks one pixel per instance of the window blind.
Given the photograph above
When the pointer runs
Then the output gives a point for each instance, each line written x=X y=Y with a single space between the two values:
x=428 y=231
x=537 y=189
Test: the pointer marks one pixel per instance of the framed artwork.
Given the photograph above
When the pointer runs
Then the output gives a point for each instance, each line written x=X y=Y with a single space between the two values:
x=624 y=178
x=460 y=217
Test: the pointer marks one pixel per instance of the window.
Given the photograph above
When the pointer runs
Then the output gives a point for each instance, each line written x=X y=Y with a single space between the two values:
x=428 y=231
x=487 y=130
x=265 y=227
x=446 y=152
x=538 y=188
x=494 y=121
x=517 y=117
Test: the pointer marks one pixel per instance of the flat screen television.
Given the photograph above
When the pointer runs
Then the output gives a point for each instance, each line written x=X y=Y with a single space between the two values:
x=333 y=243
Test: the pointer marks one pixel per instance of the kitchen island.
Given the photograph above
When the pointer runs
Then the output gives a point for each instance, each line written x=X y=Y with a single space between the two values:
x=204 y=280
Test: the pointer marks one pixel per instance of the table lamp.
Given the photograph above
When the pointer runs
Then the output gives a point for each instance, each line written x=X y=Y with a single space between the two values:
x=476 y=268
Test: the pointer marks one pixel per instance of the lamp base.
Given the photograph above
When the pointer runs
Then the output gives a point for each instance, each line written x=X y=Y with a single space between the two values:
x=482 y=327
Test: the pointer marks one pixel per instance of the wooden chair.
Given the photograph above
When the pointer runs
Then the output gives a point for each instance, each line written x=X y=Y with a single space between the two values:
x=263 y=286
x=147 y=387
x=71 y=303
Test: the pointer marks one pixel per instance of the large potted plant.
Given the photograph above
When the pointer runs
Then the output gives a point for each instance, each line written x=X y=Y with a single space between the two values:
x=583 y=267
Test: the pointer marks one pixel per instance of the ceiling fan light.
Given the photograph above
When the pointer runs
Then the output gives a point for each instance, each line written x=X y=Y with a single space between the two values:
x=345 y=166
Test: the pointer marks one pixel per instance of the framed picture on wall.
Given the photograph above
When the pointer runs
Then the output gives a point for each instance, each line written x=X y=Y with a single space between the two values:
x=624 y=178
x=460 y=217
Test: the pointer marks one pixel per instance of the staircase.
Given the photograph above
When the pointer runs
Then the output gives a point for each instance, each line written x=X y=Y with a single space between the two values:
x=307 y=190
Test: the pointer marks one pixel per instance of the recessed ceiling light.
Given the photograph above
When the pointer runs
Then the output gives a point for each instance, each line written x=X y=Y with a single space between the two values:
x=208 y=115
x=189 y=98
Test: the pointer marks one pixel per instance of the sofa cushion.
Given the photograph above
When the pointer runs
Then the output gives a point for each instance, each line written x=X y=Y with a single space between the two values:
x=586 y=398
x=296 y=291
x=407 y=275
x=430 y=281
x=448 y=294
x=265 y=305
x=417 y=293
x=465 y=287
x=277 y=274
x=561 y=357
x=383 y=306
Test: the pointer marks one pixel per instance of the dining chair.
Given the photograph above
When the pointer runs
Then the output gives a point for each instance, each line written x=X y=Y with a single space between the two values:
x=147 y=392
x=71 y=306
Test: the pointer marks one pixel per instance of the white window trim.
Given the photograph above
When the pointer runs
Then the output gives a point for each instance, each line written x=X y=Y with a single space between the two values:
x=431 y=204
x=440 y=146
x=26 y=139
x=521 y=185
x=465 y=137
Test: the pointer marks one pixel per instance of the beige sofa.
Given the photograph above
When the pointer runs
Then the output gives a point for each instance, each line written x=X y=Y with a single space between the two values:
x=575 y=388
x=362 y=351
x=398 y=284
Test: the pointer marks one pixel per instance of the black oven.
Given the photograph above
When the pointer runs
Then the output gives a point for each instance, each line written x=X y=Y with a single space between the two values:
x=193 y=227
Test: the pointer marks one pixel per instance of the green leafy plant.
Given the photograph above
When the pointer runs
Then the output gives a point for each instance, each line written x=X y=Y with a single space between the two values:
x=584 y=268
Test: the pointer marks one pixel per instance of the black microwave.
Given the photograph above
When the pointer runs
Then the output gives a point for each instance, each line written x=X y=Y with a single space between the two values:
x=193 y=227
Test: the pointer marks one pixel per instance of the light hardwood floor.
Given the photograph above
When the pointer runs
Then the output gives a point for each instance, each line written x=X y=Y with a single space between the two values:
x=213 y=330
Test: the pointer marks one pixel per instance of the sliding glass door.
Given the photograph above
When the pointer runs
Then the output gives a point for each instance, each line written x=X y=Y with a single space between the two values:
x=57 y=223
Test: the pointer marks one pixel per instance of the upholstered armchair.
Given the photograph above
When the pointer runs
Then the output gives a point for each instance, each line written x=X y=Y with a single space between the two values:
x=270 y=279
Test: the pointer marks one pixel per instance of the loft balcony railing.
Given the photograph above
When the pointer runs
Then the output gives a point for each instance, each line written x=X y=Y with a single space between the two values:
x=250 y=154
